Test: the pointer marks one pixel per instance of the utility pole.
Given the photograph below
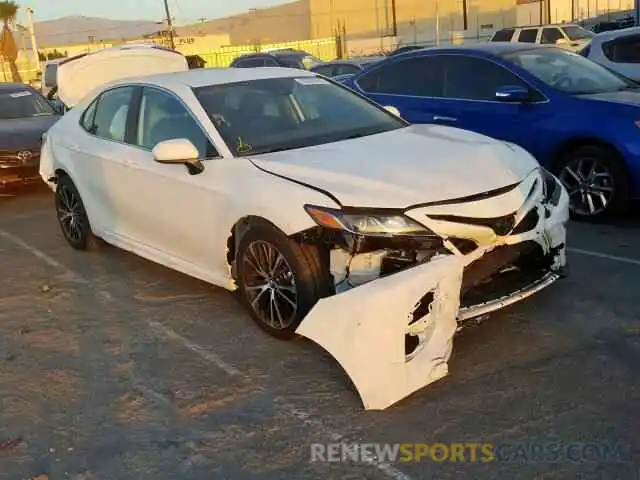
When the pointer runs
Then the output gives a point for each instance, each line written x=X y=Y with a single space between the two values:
x=32 y=32
x=169 y=25
x=465 y=16
x=394 y=19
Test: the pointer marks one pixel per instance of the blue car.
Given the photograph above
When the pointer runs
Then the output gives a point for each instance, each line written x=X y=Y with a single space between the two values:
x=580 y=120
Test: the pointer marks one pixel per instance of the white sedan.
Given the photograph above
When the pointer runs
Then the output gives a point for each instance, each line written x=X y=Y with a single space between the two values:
x=618 y=50
x=332 y=217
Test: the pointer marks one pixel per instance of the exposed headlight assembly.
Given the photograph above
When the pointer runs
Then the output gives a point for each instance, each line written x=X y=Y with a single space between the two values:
x=370 y=223
x=552 y=187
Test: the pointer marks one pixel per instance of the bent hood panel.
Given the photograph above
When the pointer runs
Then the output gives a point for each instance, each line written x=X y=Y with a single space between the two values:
x=81 y=75
x=364 y=330
x=417 y=164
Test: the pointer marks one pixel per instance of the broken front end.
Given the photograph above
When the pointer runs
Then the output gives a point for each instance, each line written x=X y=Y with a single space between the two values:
x=406 y=280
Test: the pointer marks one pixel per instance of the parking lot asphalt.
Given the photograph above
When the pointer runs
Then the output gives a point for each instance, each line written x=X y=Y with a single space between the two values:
x=112 y=367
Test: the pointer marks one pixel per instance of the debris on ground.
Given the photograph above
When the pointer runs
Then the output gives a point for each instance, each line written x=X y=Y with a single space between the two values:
x=9 y=444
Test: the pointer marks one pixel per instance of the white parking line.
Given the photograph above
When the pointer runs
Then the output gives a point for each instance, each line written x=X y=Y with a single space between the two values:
x=205 y=353
x=605 y=256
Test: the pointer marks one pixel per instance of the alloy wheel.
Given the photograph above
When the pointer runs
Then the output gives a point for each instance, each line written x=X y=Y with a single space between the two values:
x=269 y=284
x=70 y=213
x=590 y=185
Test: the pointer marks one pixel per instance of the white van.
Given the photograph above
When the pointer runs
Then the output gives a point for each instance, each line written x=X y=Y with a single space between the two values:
x=78 y=76
x=568 y=36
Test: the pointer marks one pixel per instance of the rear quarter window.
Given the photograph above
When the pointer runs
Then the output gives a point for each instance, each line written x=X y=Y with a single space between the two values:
x=503 y=35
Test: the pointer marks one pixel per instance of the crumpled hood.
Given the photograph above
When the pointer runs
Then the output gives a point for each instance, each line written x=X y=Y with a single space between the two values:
x=24 y=133
x=409 y=166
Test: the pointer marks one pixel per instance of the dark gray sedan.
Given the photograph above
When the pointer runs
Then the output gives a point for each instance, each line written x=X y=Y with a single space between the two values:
x=25 y=115
x=338 y=68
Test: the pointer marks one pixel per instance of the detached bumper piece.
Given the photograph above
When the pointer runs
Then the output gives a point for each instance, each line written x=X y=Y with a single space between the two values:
x=391 y=338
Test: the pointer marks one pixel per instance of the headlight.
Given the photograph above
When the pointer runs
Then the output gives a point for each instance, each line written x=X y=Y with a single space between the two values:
x=367 y=223
x=552 y=187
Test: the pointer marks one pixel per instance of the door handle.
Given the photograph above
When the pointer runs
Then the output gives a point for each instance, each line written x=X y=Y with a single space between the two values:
x=130 y=163
x=440 y=118
x=73 y=147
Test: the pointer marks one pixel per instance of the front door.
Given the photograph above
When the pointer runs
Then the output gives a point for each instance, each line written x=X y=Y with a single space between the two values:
x=477 y=108
x=167 y=208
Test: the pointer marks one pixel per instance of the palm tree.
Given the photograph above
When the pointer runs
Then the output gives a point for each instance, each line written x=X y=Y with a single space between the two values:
x=8 y=47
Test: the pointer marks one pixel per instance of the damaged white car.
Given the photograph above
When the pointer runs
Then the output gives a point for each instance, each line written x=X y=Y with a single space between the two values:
x=333 y=218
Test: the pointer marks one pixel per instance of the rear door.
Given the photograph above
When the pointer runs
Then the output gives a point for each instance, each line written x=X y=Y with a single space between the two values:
x=415 y=86
x=100 y=156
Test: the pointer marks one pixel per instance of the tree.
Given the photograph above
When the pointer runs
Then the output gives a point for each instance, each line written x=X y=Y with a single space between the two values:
x=8 y=47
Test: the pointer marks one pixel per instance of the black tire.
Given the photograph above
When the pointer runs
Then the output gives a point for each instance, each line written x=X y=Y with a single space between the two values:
x=611 y=183
x=72 y=216
x=299 y=267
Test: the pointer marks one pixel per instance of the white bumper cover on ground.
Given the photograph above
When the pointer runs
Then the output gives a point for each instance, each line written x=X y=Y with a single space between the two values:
x=364 y=329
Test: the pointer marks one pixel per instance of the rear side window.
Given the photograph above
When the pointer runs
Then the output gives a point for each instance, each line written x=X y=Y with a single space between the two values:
x=503 y=35
x=528 y=35
x=250 y=63
x=623 y=50
x=346 y=70
x=89 y=116
x=111 y=115
x=418 y=77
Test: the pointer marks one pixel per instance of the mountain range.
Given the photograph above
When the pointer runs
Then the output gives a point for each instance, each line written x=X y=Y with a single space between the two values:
x=281 y=23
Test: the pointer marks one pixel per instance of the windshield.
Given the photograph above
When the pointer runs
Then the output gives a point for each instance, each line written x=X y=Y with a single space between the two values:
x=578 y=33
x=569 y=72
x=23 y=103
x=268 y=115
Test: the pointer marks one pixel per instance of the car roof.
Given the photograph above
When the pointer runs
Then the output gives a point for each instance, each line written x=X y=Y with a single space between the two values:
x=618 y=33
x=13 y=87
x=216 y=76
x=275 y=53
x=491 y=48
x=352 y=61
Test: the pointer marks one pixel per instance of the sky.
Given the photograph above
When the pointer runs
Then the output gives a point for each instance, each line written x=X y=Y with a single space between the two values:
x=183 y=11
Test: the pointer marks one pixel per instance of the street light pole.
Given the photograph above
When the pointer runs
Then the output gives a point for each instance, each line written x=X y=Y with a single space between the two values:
x=169 y=24
x=32 y=33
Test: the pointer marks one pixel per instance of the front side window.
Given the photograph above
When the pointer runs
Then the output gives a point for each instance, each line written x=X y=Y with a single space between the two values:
x=23 y=103
x=550 y=35
x=488 y=78
x=528 y=35
x=419 y=77
x=50 y=75
x=578 y=33
x=623 y=50
x=569 y=72
x=326 y=70
x=163 y=117
x=267 y=115
x=110 y=119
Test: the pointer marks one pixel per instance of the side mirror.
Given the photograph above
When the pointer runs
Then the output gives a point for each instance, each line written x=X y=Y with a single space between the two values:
x=393 y=110
x=513 y=94
x=179 y=151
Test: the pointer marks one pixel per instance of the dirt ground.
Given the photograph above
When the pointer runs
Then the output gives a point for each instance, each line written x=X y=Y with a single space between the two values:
x=112 y=367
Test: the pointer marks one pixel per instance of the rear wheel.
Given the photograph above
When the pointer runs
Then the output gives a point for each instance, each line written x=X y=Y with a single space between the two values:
x=279 y=280
x=72 y=216
x=596 y=181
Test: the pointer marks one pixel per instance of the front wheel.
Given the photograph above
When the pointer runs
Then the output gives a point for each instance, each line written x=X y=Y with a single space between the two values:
x=72 y=216
x=279 y=281
x=596 y=181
